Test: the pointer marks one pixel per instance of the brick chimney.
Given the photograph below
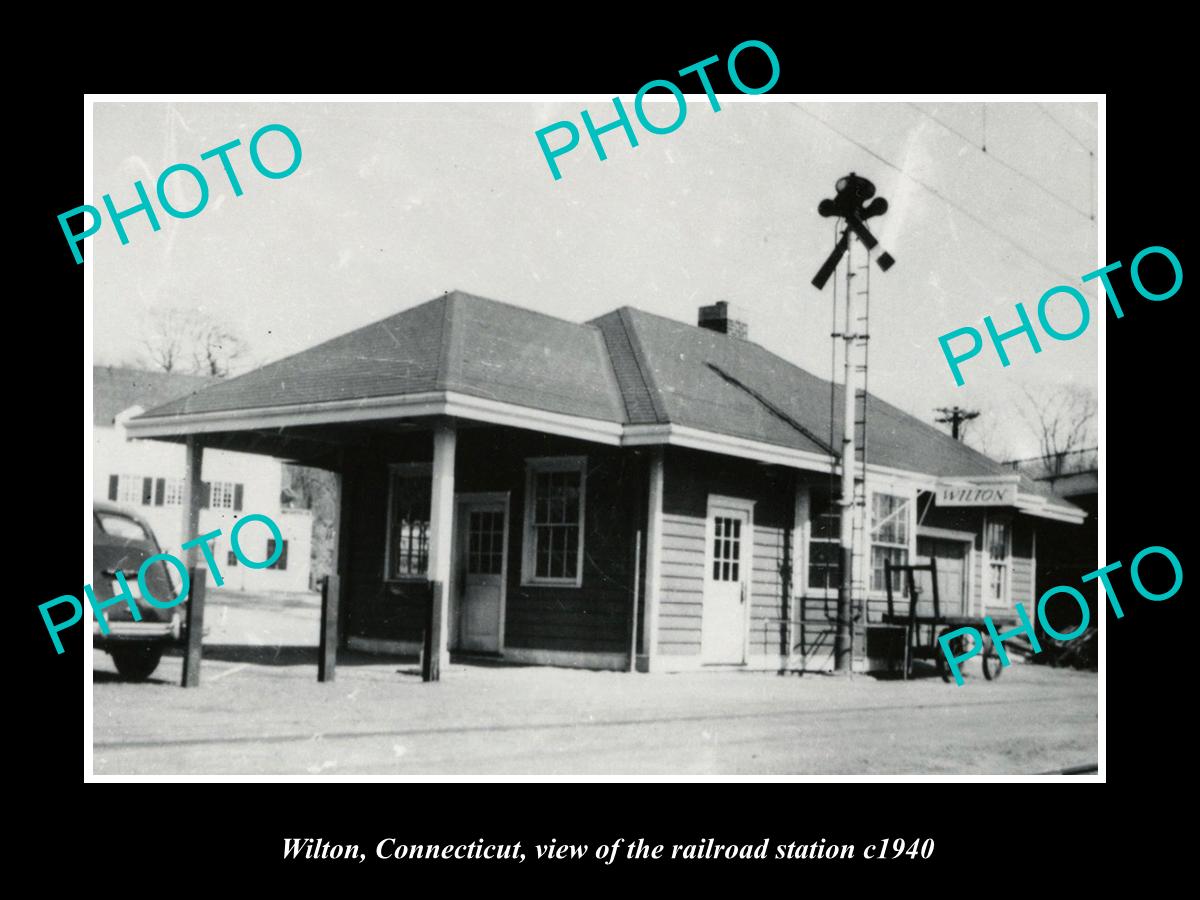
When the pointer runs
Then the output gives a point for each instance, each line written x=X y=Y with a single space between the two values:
x=724 y=318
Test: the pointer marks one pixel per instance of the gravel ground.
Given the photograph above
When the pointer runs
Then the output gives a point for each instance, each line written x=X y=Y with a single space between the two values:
x=260 y=710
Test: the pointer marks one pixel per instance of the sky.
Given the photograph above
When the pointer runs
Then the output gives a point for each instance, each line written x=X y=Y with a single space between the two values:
x=395 y=203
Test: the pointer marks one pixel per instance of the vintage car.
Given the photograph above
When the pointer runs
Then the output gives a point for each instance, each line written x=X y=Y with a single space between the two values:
x=121 y=542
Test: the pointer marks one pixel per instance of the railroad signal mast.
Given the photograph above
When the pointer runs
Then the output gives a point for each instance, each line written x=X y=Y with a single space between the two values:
x=854 y=203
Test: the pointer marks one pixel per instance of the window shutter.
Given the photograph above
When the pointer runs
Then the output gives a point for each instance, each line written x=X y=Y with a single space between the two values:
x=205 y=493
x=112 y=486
x=281 y=563
x=160 y=485
x=147 y=491
x=237 y=498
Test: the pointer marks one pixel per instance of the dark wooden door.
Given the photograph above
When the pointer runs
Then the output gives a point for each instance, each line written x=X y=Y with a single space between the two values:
x=952 y=575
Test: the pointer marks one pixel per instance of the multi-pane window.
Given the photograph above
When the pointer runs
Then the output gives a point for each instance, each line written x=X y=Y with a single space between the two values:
x=138 y=490
x=824 y=536
x=130 y=489
x=485 y=542
x=172 y=491
x=727 y=548
x=554 y=520
x=408 y=522
x=280 y=563
x=997 y=538
x=221 y=494
x=889 y=539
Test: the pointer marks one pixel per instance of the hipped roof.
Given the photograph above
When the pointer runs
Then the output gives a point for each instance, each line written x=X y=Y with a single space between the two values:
x=628 y=368
x=118 y=388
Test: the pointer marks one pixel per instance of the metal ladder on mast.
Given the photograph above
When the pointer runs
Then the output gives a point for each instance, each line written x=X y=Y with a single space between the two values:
x=855 y=338
x=858 y=341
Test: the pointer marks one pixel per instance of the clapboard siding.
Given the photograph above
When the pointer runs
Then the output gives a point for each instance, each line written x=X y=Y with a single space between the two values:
x=682 y=607
x=685 y=551
x=679 y=635
x=681 y=590
x=684 y=571
x=768 y=594
x=592 y=618
x=681 y=601
x=680 y=648
x=690 y=477
x=1022 y=582
x=686 y=525
x=978 y=562
x=1023 y=591
x=679 y=617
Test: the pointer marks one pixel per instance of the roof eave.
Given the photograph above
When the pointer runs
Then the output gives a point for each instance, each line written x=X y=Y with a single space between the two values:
x=1042 y=507
x=453 y=404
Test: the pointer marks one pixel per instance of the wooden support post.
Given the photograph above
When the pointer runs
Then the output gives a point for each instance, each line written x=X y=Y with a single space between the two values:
x=633 y=620
x=431 y=668
x=650 y=597
x=193 y=500
x=341 y=549
x=327 y=654
x=195 y=627
x=441 y=534
x=788 y=580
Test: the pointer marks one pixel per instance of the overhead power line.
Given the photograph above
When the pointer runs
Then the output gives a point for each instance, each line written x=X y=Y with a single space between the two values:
x=1066 y=130
x=966 y=212
x=992 y=156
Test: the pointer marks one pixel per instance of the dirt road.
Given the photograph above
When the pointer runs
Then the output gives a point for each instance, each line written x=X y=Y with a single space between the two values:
x=261 y=711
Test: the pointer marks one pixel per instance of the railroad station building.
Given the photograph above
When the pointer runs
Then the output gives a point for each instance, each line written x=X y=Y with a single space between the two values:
x=628 y=492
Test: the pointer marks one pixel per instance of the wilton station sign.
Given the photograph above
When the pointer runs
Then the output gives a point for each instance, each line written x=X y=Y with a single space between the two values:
x=965 y=494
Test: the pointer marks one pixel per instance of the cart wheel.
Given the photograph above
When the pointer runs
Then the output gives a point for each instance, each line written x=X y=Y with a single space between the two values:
x=958 y=647
x=991 y=661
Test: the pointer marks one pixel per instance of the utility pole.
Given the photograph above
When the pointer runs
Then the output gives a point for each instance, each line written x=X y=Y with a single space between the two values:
x=955 y=415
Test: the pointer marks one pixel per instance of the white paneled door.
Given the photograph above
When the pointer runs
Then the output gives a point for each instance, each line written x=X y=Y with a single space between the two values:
x=728 y=561
x=481 y=566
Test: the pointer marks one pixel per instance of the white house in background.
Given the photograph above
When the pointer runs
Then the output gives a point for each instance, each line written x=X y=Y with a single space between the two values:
x=147 y=476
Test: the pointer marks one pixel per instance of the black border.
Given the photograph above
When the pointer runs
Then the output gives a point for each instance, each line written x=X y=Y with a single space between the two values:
x=1146 y=498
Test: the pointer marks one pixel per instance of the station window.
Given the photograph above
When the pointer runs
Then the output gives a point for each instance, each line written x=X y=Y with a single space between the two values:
x=410 y=498
x=999 y=541
x=889 y=539
x=554 y=505
x=824 y=540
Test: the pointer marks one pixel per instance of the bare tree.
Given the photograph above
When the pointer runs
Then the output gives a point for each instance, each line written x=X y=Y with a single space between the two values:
x=167 y=340
x=316 y=490
x=215 y=348
x=190 y=340
x=1063 y=421
x=987 y=435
